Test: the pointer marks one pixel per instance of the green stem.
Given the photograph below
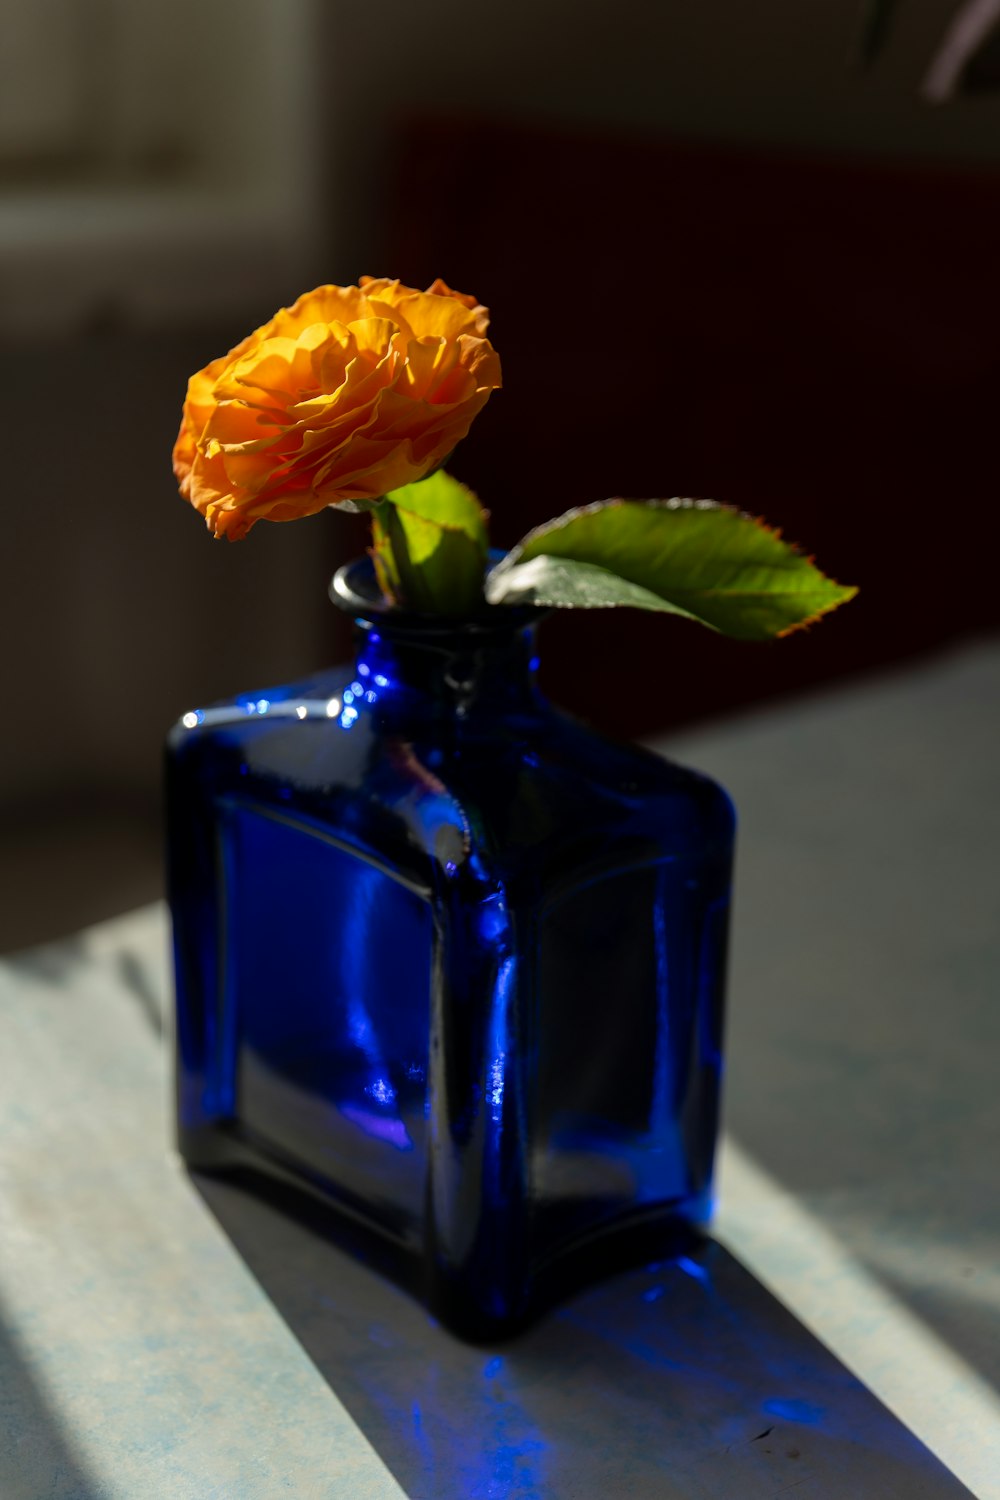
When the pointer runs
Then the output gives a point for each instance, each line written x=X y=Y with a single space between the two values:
x=397 y=577
x=430 y=546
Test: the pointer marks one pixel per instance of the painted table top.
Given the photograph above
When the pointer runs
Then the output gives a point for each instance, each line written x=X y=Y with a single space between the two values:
x=161 y=1336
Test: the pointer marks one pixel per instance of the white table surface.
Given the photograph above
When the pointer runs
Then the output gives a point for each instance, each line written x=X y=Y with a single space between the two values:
x=161 y=1336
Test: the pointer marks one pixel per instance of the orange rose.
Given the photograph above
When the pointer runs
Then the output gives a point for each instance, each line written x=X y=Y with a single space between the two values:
x=348 y=394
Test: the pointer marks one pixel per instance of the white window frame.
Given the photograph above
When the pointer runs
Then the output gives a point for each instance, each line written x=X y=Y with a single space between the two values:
x=194 y=190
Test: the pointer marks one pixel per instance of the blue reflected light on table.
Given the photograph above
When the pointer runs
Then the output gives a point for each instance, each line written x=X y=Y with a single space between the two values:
x=708 y=1390
x=794 y=1411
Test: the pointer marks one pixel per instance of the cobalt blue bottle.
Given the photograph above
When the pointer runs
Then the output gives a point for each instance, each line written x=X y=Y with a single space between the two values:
x=451 y=961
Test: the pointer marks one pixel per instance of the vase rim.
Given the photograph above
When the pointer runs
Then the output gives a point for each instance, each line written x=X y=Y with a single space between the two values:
x=354 y=588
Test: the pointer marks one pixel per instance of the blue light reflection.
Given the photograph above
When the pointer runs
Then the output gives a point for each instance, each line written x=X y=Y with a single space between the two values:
x=793 y=1410
x=502 y=991
x=693 y=1269
x=392 y=1131
x=382 y=1091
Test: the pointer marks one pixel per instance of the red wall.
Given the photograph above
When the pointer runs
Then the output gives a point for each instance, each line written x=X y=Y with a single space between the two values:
x=815 y=341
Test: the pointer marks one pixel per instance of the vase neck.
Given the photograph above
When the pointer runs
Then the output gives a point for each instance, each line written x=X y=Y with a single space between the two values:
x=463 y=670
x=432 y=666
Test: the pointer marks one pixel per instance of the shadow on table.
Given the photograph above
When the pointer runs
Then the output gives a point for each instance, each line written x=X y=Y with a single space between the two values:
x=35 y=1457
x=683 y=1380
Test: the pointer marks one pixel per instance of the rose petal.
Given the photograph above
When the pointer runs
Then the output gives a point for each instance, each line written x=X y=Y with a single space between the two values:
x=349 y=393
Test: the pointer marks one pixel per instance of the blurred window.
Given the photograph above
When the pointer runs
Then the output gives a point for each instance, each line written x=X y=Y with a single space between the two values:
x=158 y=158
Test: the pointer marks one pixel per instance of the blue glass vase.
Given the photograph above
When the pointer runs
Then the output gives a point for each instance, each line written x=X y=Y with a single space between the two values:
x=450 y=962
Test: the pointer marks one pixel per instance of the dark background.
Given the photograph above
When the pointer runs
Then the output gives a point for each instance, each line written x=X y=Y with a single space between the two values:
x=721 y=261
x=814 y=340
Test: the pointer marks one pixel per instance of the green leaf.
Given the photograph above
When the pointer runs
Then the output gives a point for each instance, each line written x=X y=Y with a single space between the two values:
x=688 y=557
x=430 y=546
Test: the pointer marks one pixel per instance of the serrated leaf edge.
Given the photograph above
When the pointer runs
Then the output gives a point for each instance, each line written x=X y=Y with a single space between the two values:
x=846 y=591
x=557 y=522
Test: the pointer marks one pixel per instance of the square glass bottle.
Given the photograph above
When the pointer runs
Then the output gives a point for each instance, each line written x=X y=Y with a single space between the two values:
x=451 y=961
